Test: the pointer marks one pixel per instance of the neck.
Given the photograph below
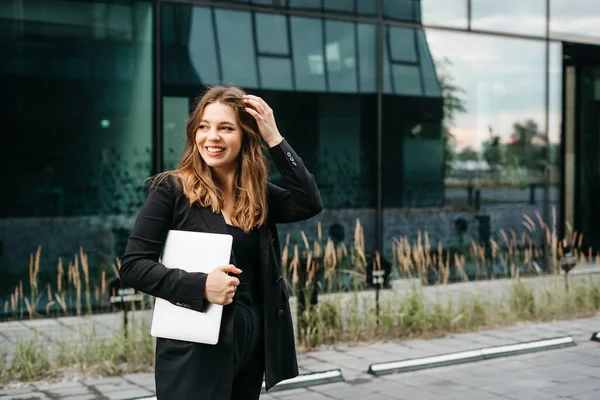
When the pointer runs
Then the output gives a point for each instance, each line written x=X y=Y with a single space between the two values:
x=225 y=180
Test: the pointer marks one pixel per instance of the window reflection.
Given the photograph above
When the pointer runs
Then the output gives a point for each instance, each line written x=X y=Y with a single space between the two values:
x=340 y=50
x=402 y=10
x=510 y=16
x=97 y=101
x=319 y=79
x=478 y=149
x=577 y=23
x=275 y=73
x=337 y=130
x=269 y=51
x=555 y=65
x=76 y=114
x=267 y=42
x=408 y=66
x=236 y=47
x=309 y=61
x=451 y=13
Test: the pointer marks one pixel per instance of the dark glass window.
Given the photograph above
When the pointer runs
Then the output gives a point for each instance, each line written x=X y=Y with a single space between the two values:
x=236 y=47
x=307 y=45
x=403 y=10
x=268 y=42
x=367 y=45
x=76 y=123
x=357 y=7
x=340 y=50
x=339 y=5
x=320 y=83
x=305 y=4
x=402 y=44
x=408 y=66
x=275 y=73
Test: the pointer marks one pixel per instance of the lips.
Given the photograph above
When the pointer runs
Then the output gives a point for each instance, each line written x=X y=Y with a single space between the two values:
x=214 y=150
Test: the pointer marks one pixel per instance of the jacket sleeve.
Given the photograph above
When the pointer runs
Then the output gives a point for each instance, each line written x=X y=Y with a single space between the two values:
x=140 y=268
x=300 y=199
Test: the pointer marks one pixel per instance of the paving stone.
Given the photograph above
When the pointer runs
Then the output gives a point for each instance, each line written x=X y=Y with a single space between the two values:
x=111 y=387
x=290 y=393
x=92 y=396
x=127 y=394
x=62 y=387
x=20 y=390
x=115 y=380
x=569 y=389
x=27 y=396
x=588 y=396
x=381 y=385
x=311 y=396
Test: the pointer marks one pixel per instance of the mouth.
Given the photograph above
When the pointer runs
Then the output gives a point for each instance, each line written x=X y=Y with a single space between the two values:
x=214 y=150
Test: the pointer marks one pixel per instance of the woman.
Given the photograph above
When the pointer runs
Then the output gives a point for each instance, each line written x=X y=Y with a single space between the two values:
x=221 y=186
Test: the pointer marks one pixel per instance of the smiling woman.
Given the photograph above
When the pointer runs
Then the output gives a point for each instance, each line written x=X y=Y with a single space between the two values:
x=220 y=186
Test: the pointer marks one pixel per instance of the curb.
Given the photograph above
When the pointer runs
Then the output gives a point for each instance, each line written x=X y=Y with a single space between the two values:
x=469 y=356
x=304 y=380
x=312 y=379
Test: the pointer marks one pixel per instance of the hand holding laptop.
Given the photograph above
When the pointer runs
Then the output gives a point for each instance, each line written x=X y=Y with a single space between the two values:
x=203 y=252
x=221 y=287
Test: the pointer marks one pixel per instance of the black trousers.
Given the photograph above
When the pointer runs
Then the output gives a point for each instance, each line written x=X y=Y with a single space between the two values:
x=249 y=356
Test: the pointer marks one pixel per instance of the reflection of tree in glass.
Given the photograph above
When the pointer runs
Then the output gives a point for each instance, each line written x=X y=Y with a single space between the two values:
x=453 y=104
x=526 y=146
x=468 y=154
x=492 y=150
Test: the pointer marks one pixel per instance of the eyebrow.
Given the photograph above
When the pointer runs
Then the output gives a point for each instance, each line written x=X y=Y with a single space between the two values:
x=220 y=122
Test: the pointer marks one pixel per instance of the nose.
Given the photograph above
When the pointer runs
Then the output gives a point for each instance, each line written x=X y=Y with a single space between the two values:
x=213 y=134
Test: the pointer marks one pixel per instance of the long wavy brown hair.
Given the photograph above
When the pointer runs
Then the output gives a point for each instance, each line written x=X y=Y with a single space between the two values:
x=196 y=178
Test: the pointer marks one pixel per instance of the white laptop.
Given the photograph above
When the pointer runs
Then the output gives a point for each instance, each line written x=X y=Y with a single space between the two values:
x=192 y=252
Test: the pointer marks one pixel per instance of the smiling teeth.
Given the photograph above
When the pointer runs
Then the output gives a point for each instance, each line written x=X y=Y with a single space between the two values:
x=214 y=149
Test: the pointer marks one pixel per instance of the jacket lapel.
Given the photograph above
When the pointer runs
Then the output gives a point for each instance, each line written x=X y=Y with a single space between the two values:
x=214 y=222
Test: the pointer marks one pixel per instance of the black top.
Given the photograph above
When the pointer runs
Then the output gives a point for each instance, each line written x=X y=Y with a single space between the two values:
x=245 y=251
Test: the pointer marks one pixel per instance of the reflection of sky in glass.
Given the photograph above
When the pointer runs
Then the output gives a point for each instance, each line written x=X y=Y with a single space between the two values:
x=503 y=80
x=572 y=19
x=555 y=91
x=444 y=13
x=526 y=17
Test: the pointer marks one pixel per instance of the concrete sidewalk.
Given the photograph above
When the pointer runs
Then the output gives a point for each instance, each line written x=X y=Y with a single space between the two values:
x=580 y=364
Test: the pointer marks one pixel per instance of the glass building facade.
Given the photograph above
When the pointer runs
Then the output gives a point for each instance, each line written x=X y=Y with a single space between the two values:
x=451 y=118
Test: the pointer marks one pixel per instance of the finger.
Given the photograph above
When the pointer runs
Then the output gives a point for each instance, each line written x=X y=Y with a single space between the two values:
x=234 y=282
x=230 y=268
x=257 y=99
x=257 y=105
x=265 y=107
x=253 y=113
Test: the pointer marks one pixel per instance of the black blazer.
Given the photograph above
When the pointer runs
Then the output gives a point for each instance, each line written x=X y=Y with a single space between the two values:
x=195 y=371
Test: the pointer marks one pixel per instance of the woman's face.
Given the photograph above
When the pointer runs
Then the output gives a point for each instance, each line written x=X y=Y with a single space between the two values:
x=219 y=137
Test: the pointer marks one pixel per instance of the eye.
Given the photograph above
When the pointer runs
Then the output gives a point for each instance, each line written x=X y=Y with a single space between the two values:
x=228 y=128
x=202 y=126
